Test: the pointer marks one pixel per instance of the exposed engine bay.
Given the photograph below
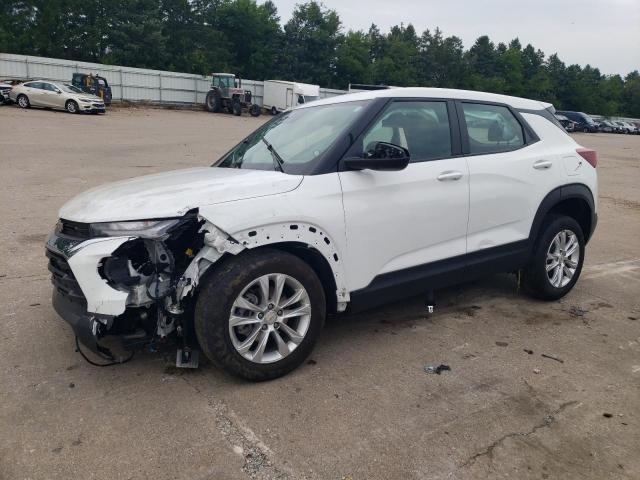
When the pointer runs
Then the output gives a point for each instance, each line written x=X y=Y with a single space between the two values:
x=141 y=288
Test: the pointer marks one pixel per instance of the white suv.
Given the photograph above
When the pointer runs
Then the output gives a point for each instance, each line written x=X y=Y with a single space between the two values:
x=347 y=202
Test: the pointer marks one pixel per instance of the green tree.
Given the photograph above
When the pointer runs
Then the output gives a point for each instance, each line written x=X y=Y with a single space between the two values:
x=353 y=59
x=311 y=37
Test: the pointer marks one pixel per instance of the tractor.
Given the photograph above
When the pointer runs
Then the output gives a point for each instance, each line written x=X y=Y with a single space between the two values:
x=93 y=84
x=226 y=93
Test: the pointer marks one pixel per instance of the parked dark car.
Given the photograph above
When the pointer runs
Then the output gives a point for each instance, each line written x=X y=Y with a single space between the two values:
x=568 y=125
x=584 y=122
x=608 y=127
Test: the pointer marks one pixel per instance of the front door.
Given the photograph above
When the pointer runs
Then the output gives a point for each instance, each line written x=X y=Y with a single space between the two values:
x=402 y=219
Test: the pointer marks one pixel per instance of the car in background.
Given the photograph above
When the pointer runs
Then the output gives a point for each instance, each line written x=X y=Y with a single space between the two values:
x=608 y=127
x=627 y=127
x=5 y=88
x=569 y=125
x=584 y=122
x=40 y=93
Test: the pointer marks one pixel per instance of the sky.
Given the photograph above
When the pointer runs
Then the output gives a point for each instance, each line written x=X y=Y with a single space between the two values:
x=602 y=33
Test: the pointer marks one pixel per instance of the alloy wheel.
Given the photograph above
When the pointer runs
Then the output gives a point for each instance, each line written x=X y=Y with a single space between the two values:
x=270 y=318
x=563 y=256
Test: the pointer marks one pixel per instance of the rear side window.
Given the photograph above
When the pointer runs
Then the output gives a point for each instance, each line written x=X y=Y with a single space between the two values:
x=420 y=127
x=491 y=128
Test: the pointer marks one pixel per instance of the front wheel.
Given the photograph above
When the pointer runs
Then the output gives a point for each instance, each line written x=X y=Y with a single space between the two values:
x=557 y=259
x=259 y=315
x=23 y=101
x=72 y=107
x=254 y=111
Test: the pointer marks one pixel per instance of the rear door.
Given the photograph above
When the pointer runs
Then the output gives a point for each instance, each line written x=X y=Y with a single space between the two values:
x=510 y=172
x=34 y=91
x=396 y=220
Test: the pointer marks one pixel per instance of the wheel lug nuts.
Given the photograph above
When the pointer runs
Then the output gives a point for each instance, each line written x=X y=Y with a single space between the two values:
x=271 y=306
x=279 y=313
x=261 y=316
x=276 y=325
x=264 y=327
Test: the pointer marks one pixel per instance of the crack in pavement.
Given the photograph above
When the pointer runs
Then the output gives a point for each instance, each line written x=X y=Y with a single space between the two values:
x=547 y=421
x=259 y=463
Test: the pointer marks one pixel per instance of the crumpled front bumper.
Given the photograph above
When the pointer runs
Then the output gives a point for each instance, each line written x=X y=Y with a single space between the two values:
x=81 y=296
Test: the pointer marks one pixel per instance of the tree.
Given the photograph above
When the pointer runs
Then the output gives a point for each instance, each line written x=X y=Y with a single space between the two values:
x=353 y=59
x=310 y=40
x=245 y=37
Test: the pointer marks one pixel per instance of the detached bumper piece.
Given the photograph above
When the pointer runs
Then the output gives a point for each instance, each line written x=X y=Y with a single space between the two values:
x=71 y=305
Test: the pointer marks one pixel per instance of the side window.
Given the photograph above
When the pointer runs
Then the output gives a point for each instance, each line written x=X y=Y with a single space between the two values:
x=48 y=87
x=37 y=85
x=491 y=128
x=420 y=127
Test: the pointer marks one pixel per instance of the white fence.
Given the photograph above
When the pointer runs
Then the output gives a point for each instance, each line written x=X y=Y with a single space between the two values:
x=127 y=83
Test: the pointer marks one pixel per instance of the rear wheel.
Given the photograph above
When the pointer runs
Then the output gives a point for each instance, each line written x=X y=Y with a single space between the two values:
x=274 y=111
x=259 y=315
x=213 y=102
x=585 y=130
x=72 y=107
x=557 y=259
x=23 y=101
x=236 y=107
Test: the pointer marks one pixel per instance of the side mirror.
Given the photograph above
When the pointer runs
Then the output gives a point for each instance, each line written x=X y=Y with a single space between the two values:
x=383 y=157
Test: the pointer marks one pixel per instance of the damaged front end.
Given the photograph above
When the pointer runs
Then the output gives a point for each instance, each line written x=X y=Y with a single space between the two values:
x=132 y=281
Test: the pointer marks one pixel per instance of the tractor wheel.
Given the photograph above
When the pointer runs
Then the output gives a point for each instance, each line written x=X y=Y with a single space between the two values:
x=213 y=102
x=254 y=110
x=236 y=106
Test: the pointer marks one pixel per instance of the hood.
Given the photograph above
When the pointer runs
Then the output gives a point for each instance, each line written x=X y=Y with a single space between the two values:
x=172 y=194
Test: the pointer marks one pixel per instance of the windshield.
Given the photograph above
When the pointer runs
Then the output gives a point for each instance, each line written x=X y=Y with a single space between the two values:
x=69 y=88
x=298 y=137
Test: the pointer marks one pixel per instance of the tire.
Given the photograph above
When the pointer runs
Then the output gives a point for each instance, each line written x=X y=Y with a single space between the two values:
x=217 y=302
x=236 y=107
x=213 y=102
x=274 y=110
x=585 y=130
x=71 y=106
x=254 y=111
x=23 y=101
x=542 y=283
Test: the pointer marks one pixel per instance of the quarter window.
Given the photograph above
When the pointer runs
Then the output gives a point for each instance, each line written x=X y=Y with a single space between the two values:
x=491 y=128
x=420 y=127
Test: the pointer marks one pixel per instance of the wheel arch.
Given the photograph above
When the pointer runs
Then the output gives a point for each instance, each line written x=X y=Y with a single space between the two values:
x=574 y=200
x=313 y=245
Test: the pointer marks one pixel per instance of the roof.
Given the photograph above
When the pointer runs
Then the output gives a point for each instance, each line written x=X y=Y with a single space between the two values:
x=422 y=92
x=222 y=75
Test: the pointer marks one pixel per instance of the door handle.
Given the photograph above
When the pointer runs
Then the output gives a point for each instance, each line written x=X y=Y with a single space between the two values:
x=542 y=164
x=449 y=176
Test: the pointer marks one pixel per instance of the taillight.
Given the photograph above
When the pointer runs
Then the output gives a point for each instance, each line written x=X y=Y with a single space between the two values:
x=589 y=155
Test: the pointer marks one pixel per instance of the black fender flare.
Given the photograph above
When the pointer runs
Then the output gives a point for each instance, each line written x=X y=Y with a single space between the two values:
x=557 y=195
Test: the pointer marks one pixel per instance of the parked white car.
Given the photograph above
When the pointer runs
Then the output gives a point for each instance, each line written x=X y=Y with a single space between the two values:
x=40 y=93
x=345 y=203
x=5 y=88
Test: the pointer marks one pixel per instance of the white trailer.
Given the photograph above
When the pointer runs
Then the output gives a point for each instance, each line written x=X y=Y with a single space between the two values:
x=280 y=95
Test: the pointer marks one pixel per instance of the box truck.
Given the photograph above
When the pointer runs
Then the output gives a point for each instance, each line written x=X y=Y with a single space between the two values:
x=279 y=95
